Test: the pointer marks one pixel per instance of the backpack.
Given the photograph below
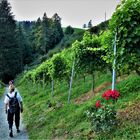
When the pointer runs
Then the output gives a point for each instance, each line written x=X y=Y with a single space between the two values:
x=13 y=103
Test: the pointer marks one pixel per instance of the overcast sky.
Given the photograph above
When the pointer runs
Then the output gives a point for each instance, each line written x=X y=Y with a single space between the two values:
x=72 y=12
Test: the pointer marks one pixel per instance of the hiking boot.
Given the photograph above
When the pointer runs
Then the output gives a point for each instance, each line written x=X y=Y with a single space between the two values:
x=18 y=131
x=11 y=134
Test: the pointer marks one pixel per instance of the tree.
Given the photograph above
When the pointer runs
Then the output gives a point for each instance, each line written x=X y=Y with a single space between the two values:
x=24 y=45
x=90 y=24
x=36 y=36
x=10 y=51
x=46 y=33
x=84 y=26
x=69 y=30
x=56 y=29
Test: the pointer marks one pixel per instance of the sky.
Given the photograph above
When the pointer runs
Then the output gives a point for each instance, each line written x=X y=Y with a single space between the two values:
x=73 y=12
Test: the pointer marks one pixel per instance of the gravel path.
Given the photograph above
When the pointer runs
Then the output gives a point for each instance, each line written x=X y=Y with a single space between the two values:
x=4 y=131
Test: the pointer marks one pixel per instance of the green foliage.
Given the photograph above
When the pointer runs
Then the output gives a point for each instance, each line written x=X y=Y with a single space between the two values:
x=69 y=30
x=67 y=41
x=46 y=33
x=10 y=51
x=69 y=119
x=106 y=39
x=2 y=88
x=63 y=117
x=102 y=119
x=59 y=67
x=99 y=28
x=23 y=42
x=87 y=53
x=126 y=22
x=130 y=85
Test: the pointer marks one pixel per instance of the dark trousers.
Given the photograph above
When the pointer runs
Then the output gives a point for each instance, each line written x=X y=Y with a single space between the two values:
x=10 y=118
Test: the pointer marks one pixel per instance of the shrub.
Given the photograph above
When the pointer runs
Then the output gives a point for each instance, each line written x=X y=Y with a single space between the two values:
x=103 y=116
x=129 y=85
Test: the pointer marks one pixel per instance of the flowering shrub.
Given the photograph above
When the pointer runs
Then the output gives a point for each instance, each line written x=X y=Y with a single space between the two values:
x=103 y=116
x=111 y=94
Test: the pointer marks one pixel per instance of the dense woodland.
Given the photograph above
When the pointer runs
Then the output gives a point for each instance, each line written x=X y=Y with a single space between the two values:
x=22 y=41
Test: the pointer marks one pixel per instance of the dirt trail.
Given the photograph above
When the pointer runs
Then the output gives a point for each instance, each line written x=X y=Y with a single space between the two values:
x=4 y=131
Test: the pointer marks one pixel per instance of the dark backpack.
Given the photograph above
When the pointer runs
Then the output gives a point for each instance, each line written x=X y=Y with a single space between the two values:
x=13 y=103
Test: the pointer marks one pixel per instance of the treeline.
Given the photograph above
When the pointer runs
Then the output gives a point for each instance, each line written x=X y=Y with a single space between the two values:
x=20 y=42
x=95 y=52
x=44 y=33
x=10 y=52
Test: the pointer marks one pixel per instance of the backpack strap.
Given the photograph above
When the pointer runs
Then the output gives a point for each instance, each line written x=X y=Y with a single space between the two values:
x=15 y=94
x=8 y=96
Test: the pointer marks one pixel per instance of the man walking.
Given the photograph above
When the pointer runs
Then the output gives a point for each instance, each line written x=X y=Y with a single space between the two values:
x=13 y=107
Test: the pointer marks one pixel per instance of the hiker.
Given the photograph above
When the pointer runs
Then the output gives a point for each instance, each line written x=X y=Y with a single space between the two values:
x=13 y=107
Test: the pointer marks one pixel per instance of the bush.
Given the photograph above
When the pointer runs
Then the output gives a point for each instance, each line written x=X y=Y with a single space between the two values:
x=103 y=116
x=129 y=85
x=102 y=119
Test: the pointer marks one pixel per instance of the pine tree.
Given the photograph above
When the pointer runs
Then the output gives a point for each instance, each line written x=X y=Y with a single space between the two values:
x=45 y=34
x=10 y=52
x=36 y=35
x=84 y=26
x=57 y=29
x=90 y=24
x=69 y=30
x=23 y=42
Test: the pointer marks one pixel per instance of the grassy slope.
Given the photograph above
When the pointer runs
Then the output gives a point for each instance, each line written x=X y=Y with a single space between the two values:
x=69 y=121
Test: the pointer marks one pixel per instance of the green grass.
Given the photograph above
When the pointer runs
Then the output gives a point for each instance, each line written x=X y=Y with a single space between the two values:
x=68 y=121
x=1 y=91
x=2 y=88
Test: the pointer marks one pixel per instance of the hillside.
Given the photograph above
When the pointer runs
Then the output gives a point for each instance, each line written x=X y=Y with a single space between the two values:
x=67 y=42
x=69 y=96
x=53 y=118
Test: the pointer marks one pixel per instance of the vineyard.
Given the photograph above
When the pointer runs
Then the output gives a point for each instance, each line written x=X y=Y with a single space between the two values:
x=52 y=90
x=95 y=52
